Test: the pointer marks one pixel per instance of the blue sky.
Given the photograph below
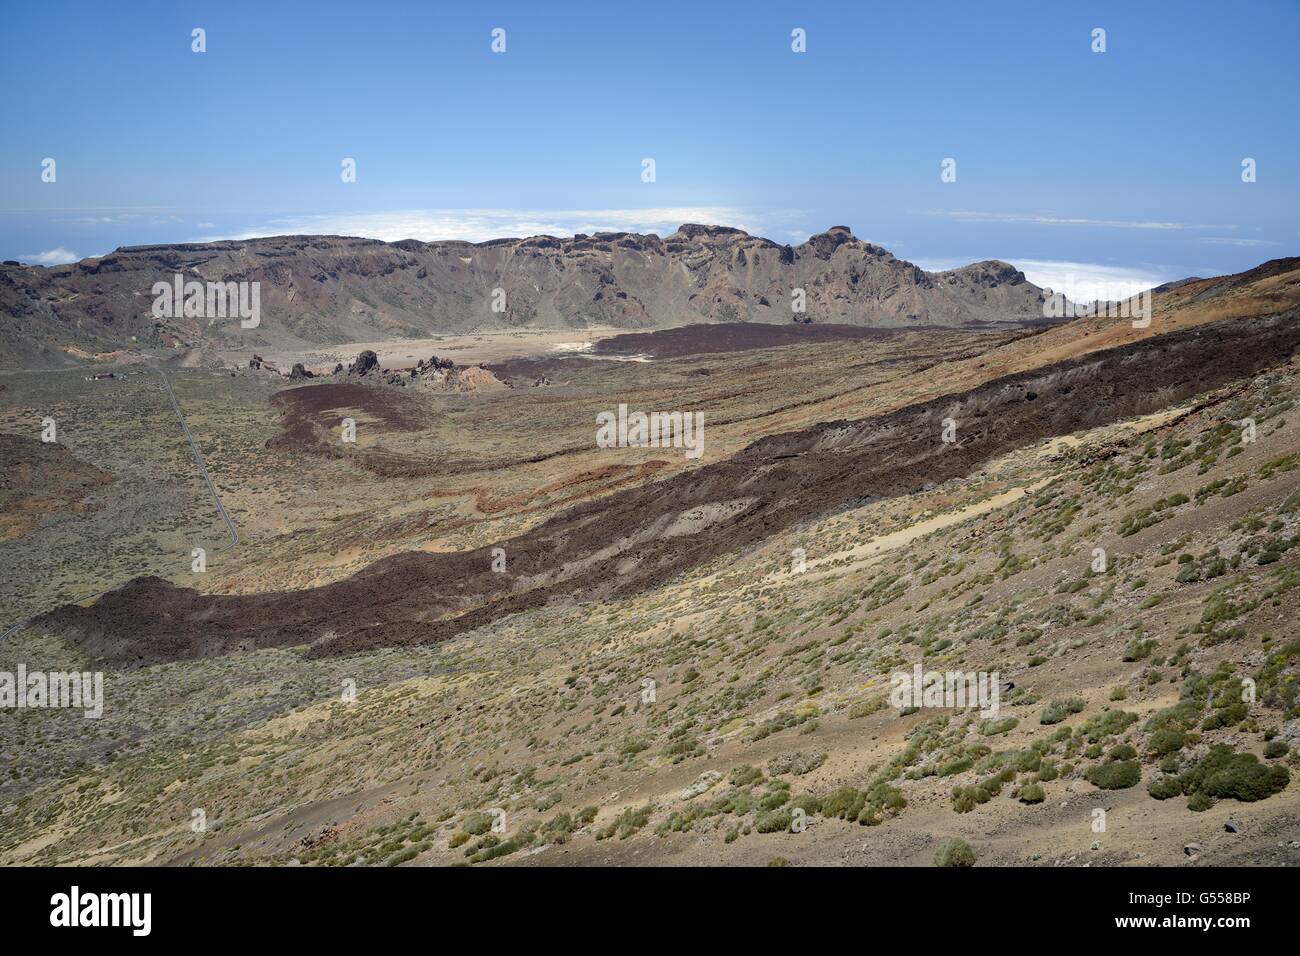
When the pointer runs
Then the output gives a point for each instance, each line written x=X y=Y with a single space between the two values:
x=1126 y=163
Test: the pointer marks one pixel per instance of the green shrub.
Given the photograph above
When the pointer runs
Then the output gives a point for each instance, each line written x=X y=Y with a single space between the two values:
x=477 y=823
x=557 y=829
x=1275 y=748
x=845 y=803
x=503 y=848
x=807 y=802
x=797 y=763
x=867 y=707
x=1165 y=787
x=1235 y=776
x=954 y=852
x=1226 y=716
x=1167 y=741
x=773 y=821
x=1058 y=710
x=626 y=823
x=1031 y=793
x=1247 y=780
x=1116 y=775
x=1002 y=725
x=1107 y=725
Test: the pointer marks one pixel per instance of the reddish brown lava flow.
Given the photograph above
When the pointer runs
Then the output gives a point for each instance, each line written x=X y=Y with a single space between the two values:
x=641 y=537
x=311 y=412
x=698 y=339
x=689 y=340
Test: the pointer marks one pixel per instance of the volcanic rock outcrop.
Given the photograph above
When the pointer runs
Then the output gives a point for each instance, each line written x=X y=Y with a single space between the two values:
x=331 y=290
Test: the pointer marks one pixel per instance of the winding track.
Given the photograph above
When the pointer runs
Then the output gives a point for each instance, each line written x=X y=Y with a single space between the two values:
x=198 y=458
x=203 y=470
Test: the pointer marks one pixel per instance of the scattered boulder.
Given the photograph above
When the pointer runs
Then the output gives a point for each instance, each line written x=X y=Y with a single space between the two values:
x=431 y=365
x=703 y=783
x=1290 y=730
x=1192 y=849
x=366 y=362
x=299 y=371
x=1232 y=826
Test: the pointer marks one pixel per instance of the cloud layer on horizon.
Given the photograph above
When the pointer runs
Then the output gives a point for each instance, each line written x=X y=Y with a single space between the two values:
x=480 y=225
x=1079 y=281
x=52 y=257
x=1039 y=219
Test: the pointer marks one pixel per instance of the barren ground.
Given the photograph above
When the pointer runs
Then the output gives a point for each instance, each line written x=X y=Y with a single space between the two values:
x=769 y=630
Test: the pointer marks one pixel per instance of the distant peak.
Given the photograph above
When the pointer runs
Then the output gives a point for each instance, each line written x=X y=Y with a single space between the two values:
x=693 y=229
x=825 y=243
x=994 y=271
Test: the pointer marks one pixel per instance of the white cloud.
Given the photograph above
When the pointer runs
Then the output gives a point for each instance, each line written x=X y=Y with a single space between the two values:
x=1086 y=281
x=1248 y=243
x=102 y=220
x=480 y=225
x=52 y=257
x=1045 y=220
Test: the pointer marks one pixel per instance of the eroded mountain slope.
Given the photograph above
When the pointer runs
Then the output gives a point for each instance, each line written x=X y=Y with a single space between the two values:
x=330 y=289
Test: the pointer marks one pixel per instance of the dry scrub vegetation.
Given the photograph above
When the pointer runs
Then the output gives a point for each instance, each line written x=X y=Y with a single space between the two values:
x=739 y=713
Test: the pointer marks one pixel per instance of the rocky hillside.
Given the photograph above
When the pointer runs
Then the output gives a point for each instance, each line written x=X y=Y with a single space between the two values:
x=331 y=290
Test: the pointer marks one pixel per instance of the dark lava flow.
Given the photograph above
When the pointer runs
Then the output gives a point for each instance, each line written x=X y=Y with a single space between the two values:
x=639 y=538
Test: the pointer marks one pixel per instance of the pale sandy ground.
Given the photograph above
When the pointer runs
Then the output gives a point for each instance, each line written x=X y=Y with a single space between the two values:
x=876 y=547
x=469 y=349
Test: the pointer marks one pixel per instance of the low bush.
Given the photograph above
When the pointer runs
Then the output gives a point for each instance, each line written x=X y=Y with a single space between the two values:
x=1058 y=710
x=1115 y=775
x=954 y=852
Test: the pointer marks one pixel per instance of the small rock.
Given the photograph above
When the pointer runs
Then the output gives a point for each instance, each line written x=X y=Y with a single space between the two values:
x=1232 y=826
x=1191 y=849
x=704 y=782
x=1290 y=731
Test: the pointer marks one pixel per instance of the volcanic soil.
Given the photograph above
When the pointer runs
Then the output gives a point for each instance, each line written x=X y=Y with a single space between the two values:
x=640 y=537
